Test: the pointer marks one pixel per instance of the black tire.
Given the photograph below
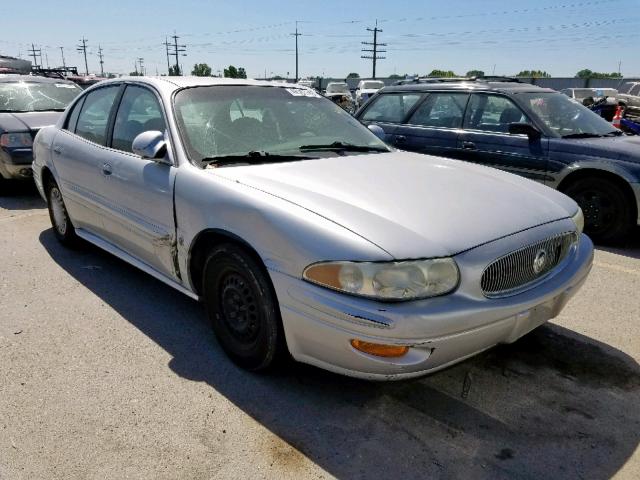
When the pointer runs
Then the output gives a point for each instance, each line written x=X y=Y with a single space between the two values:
x=62 y=226
x=242 y=308
x=608 y=213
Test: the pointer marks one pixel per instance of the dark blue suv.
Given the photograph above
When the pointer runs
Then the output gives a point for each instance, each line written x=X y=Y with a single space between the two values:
x=531 y=131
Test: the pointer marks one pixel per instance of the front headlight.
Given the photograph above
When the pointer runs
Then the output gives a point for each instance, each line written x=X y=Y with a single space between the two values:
x=387 y=281
x=16 y=140
x=578 y=219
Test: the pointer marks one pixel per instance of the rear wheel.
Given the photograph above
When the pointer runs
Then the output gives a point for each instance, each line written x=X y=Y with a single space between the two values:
x=242 y=307
x=60 y=221
x=608 y=214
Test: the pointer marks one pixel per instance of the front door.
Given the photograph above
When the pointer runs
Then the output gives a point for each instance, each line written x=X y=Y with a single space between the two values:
x=486 y=138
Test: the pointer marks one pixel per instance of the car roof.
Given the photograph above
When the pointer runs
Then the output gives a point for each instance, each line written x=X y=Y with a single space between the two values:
x=470 y=85
x=11 y=78
x=176 y=83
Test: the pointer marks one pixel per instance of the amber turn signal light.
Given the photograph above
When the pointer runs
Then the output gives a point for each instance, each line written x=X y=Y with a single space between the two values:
x=379 y=349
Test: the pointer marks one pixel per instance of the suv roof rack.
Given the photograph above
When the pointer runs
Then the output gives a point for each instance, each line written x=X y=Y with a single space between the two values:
x=55 y=72
x=490 y=78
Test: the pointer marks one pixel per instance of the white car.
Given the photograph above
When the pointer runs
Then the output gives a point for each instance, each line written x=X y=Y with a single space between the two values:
x=366 y=89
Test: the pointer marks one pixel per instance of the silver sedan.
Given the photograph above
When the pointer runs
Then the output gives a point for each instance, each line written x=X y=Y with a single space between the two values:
x=301 y=231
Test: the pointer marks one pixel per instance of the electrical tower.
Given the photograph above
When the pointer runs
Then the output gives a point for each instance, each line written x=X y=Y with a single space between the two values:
x=296 y=35
x=62 y=53
x=35 y=53
x=101 y=62
x=375 y=50
x=177 y=52
x=83 y=48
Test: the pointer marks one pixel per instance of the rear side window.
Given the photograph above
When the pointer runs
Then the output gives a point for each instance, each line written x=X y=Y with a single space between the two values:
x=391 y=107
x=492 y=113
x=72 y=119
x=444 y=110
x=139 y=112
x=94 y=117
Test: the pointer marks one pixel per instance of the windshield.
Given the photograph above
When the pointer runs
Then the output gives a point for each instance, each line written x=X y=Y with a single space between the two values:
x=338 y=88
x=372 y=85
x=35 y=96
x=239 y=120
x=564 y=117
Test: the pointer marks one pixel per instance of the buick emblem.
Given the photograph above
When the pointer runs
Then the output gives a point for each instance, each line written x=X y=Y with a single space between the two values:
x=540 y=260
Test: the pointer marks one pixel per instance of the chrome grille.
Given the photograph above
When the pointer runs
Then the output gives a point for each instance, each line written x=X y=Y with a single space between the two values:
x=521 y=268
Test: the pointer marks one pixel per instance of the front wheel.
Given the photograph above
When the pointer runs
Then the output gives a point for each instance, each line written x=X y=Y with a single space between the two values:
x=242 y=308
x=60 y=221
x=608 y=215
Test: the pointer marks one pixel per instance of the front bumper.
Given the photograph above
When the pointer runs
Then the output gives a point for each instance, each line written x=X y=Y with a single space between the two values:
x=320 y=323
x=16 y=163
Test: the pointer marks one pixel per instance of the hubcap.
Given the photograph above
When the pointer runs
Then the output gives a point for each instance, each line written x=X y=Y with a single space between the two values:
x=598 y=209
x=58 y=211
x=239 y=308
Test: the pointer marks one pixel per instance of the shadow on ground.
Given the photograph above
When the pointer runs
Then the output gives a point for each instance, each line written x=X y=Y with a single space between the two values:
x=554 y=405
x=19 y=195
x=630 y=247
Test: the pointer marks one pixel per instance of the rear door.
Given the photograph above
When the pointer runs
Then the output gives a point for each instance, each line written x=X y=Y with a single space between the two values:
x=486 y=139
x=140 y=217
x=79 y=154
x=388 y=110
x=434 y=126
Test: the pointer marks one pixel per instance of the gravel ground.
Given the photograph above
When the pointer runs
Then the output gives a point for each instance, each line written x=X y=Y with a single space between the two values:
x=105 y=373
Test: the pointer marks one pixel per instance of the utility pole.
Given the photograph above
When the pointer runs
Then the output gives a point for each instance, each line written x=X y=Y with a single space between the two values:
x=46 y=59
x=296 y=35
x=141 y=63
x=83 y=48
x=166 y=46
x=35 y=53
x=62 y=53
x=101 y=62
x=177 y=52
x=375 y=50
x=619 y=67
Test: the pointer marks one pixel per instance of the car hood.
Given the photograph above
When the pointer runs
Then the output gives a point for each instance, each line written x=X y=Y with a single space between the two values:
x=625 y=148
x=410 y=205
x=32 y=121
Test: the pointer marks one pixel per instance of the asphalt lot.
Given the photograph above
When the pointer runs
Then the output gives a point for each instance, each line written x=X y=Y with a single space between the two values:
x=107 y=373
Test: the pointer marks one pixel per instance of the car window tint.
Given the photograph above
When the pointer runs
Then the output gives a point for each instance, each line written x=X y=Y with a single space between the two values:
x=94 y=117
x=139 y=111
x=492 y=113
x=72 y=119
x=391 y=107
x=441 y=110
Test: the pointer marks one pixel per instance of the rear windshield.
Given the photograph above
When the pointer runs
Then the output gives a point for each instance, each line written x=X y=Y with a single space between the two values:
x=35 y=96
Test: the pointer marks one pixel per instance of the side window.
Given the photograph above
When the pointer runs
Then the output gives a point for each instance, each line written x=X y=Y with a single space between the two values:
x=72 y=119
x=139 y=112
x=492 y=113
x=392 y=107
x=635 y=90
x=94 y=117
x=443 y=110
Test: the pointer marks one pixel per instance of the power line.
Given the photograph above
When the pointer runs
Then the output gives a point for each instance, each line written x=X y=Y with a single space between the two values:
x=177 y=52
x=375 y=50
x=296 y=35
x=83 y=48
x=101 y=62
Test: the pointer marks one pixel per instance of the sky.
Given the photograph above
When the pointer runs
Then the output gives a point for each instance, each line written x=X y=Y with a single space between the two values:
x=496 y=36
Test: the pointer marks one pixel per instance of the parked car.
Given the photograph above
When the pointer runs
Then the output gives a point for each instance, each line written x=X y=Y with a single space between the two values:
x=581 y=94
x=299 y=229
x=339 y=93
x=524 y=129
x=27 y=103
x=629 y=95
x=84 y=81
x=365 y=89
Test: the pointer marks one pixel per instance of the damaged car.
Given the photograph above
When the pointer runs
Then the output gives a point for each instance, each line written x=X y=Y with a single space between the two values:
x=301 y=231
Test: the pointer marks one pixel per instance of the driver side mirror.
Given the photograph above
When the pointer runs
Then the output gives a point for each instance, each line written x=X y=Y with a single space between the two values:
x=150 y=145
x=378 y=131
x=521 y=128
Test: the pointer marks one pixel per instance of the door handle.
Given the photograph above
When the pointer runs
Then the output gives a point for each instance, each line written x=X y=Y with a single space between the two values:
x=468 y=145
x=401 y=139
x=57 y=149
x=106 y=169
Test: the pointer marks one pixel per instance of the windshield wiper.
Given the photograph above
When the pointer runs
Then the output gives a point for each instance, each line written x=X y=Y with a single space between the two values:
x=254 y=157
x=582 y=135
x=342 y=147
x=614 y=133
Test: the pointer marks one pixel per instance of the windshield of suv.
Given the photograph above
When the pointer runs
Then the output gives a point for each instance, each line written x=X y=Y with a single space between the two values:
x=244 y=120
x=565 y=117
x=338 y=88
x=35 y=96
x=372 y=85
